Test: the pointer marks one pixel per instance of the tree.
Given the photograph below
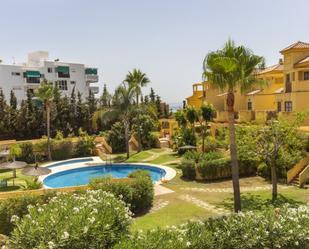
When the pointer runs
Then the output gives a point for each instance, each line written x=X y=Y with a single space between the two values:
x=191 y=116
x=158 y=106
x=3 y=114
x=231 y=68
x=204 y=115
x=137 y=80
x=277 y=140
x=152 y=96
x=124 y=98
x=13 y=113
x=181 y=118
x=46 y=93
x=106 y=97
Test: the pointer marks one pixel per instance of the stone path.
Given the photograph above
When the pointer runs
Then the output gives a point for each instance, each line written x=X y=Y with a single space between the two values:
x=155 y=155
x=160 y=190
x=230 y=190
x=158 y=205
x=203 y=204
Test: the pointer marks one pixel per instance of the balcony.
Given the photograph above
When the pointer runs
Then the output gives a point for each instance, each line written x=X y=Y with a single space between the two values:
x=91 y=75
x=92 y=78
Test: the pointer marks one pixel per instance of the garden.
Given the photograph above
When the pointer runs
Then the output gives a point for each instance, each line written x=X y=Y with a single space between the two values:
x=209 y=203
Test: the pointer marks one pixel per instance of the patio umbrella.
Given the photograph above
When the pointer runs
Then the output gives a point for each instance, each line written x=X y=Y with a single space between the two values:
x=36 y=171
x=13 y=165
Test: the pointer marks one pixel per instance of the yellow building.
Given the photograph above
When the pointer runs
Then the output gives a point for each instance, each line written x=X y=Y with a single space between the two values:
x=284 y=92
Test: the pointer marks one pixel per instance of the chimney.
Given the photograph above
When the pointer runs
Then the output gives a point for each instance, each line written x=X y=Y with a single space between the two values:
x=280 y=61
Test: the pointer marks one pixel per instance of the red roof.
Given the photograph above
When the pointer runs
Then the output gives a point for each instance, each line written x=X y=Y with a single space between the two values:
x=296 y=45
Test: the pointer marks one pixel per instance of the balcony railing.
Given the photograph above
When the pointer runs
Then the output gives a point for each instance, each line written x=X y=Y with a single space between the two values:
x=92 y=78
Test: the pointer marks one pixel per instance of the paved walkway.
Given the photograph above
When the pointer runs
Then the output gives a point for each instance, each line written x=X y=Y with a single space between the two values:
x=230 y=190
x=160 y=190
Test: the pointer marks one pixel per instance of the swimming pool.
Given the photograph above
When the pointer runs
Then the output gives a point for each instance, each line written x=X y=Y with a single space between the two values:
x=82 y=176
x=68 y=162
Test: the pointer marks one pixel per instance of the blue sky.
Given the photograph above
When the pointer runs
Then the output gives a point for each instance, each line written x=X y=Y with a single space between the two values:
x=167 y=39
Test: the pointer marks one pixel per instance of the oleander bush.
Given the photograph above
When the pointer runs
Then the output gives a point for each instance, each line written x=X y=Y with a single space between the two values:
x=93 y=219
x=137 y=191
x=85 y=145
x=18 y=206
x=286 y=228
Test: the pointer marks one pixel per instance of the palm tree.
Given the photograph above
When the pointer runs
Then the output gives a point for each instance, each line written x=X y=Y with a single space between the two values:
x=137 y=79
x=45 y=93
x=205 y=114
x=122 y=108
x=231 y=68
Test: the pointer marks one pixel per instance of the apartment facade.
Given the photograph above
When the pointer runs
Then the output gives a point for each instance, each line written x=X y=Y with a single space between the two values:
x=28 y=76
x=284 y=93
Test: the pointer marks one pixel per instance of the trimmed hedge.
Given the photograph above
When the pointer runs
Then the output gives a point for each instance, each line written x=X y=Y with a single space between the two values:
x=137 y=191
x=61 y=150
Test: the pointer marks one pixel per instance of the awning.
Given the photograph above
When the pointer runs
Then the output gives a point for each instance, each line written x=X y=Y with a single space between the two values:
x=63 y=69
x=254 y=92
x=93 y=71
x=33 y=74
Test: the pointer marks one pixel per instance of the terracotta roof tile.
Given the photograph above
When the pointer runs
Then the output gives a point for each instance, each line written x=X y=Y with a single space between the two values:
x=277 y=67
x=296 y=45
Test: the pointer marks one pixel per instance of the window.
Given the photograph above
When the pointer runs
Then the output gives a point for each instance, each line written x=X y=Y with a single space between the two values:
x=306 y=75
x=293 y=76
x=63 y=75
x=33 y=80
x=62 y=85
x=249 y=106
x=288 y=106
x=15 y=73
x=279 y=106
x=73 y=82
x=287 y=78
x=49 y=70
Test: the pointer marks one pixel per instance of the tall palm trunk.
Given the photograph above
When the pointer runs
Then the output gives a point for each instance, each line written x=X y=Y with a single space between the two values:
x=139 y=136
x=48 y=131
x=126 y=131
x=274 y=181
x=233 y=151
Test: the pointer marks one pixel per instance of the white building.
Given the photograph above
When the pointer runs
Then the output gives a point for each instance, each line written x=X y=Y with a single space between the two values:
x=65 y=76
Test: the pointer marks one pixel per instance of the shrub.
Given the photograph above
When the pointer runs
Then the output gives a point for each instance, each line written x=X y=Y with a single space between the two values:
x=285 y=228
x=116 y=138
x=93 y=219
x=26 y=154
x=85 y=145
x=62 y=150
x=137 y=191
x=188 y=169
x=17 y=206
x=32 y=184
x=140 y=173
x=215 y=169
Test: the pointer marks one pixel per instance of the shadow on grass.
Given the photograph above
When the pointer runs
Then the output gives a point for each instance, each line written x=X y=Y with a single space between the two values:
x=257 y=202
x=9 y=188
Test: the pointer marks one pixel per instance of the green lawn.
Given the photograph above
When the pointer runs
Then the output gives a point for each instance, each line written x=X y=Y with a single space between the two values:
x=13 y=183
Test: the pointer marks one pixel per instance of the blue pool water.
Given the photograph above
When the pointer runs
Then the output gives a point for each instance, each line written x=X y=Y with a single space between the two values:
x=82 y=160
x=82 y=176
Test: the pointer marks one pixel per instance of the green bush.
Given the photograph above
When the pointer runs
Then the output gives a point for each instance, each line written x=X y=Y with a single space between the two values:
x=215 y=169
x=93 y=219
x=85 y=145
x=62 y=150
x=116 y=138
x=287 y=228
x=32 y=184
x=188 y=169
x=17 y=206
x=27 y=154
x=137 y=191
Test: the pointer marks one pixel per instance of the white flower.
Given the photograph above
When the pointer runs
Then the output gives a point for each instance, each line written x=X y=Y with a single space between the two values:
x=51 y=245
x=65 y=235
x=14 y=218
x=188 y=243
